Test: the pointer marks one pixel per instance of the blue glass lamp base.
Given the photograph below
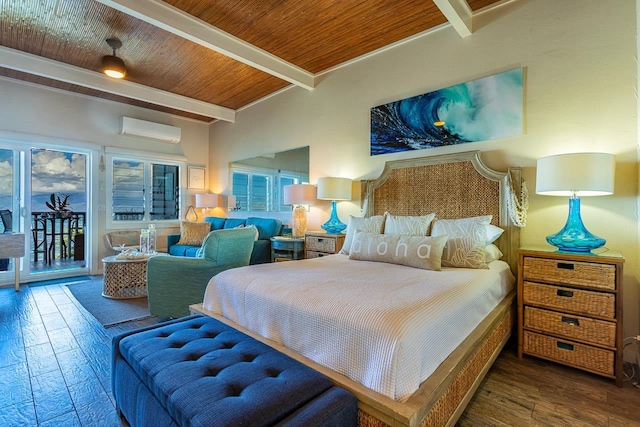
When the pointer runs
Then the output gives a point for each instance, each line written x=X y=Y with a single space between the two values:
x=334 y=225
x=574 y=237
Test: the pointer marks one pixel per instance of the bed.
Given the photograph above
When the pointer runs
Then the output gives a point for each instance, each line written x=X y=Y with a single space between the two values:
x=394 y=384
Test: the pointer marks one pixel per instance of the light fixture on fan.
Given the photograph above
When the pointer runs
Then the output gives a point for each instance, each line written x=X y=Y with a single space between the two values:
x=113 y=66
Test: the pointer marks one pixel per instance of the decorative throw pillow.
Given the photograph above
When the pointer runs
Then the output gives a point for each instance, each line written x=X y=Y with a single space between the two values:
x=193 y=233
x=370 y=225
x=407 y=225
x=414 y=251
x=493 y=233
x=492 y=253
x=467 y=237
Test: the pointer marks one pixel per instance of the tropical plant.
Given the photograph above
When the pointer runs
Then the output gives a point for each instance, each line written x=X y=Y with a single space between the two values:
x=59 y=204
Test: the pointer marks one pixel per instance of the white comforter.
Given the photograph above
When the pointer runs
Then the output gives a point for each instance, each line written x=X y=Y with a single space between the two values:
x=385 y=326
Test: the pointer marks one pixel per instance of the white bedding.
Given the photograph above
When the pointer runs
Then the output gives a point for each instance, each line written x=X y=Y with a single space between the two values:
x=385 y=326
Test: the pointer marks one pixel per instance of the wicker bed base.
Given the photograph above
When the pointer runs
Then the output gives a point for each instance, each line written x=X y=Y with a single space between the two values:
x=443 y=397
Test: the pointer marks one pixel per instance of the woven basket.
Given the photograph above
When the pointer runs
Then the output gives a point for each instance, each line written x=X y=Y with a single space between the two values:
x=578 y=355
x=570 y=299
x=321 y=244
x=571 y=272
x=573 y=327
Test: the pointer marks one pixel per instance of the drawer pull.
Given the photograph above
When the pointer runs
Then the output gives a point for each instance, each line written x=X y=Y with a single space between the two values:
x=570 y=321
x=320 y=240
x=564 y=293
x=566 y=266
x=565 y=346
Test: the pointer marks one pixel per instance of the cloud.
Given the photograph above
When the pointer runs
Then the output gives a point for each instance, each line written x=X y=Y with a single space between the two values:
x=57 y=172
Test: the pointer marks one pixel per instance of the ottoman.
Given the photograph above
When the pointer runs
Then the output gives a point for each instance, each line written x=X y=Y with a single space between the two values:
x=197 y=371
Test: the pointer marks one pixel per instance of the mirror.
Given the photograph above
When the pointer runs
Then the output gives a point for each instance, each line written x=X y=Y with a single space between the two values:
x=256 y=183
x=296 y=160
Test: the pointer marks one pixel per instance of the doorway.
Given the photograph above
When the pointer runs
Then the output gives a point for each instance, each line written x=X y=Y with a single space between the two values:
x=45 y=191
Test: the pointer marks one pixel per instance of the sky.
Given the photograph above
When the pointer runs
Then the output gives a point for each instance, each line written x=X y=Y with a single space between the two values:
x=51 y=172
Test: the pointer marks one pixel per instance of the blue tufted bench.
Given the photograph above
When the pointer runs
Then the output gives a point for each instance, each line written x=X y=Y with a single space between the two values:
x=197 y=371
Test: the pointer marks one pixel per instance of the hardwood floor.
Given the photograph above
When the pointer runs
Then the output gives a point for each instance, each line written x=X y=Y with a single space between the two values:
x=55 y=363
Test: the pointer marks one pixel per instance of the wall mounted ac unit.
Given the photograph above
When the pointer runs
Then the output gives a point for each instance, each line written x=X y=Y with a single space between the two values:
x=150 y=130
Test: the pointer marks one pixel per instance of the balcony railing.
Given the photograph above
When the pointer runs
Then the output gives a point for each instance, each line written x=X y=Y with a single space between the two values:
x=57 y=236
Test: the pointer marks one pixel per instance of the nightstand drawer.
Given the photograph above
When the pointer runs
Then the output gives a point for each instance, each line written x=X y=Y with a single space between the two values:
x=600 y=304
x=320 y=244
x=574 y=354
x=314 y=254
x=570 y=272
x=570 y=326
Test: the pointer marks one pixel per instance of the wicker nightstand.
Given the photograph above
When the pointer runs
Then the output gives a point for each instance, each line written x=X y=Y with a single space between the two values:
x=570 y=309
x=318 y=244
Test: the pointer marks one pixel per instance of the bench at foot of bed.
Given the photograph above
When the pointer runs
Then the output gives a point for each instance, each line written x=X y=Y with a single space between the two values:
x=198 y=371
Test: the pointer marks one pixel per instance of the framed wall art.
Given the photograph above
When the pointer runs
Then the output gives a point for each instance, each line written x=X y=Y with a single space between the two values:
x=479 y=110
x=196 y=178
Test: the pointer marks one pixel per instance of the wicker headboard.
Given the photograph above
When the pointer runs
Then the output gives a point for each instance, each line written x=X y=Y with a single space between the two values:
x=452 y=186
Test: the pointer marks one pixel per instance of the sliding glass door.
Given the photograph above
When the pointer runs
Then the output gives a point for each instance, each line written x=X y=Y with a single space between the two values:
x=44 y=190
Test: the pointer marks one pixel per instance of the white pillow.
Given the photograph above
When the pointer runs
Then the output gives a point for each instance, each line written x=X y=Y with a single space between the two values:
x=492 y=253
x=467 y=237
x=370 y=225
x=407 y=225
x=414 y=251
x=493 y=233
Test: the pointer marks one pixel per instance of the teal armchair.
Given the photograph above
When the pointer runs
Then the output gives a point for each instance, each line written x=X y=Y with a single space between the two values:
x=175 y=282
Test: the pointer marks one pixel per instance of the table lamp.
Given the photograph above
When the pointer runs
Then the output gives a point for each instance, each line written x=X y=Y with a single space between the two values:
x=299 y=195
x=574 y=175
x=334 y=189
x=206 y=201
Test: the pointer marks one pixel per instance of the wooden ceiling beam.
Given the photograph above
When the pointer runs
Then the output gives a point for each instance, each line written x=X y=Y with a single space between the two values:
x=180 y=23
x=32 y=64
x=459 y=15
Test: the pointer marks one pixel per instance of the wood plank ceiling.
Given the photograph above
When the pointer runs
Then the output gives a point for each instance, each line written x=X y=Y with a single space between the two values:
x=177 y=59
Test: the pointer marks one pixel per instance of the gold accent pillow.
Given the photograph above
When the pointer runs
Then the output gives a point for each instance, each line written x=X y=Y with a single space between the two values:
x=193 y=233
x=413 y=251
x=467 y=237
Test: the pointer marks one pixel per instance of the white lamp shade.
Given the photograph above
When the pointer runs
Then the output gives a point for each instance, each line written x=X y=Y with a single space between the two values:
x=331 y=188
x=299 y=194
x=231 y=201
x=582 y=174
x=206 y=200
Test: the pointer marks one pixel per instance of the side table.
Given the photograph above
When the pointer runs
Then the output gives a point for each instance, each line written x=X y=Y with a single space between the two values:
x=124 y=278
x=287 y=248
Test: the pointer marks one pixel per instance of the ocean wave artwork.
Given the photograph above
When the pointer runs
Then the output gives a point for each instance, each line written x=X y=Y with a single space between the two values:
x=479 y=110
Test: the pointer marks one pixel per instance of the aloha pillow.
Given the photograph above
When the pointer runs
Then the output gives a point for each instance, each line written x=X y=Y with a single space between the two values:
x=467 y=237
x=407 y=225
x=193 y=233
x=370 y=225
x=413 y=251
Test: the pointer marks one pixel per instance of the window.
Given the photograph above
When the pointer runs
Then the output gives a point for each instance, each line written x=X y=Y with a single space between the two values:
x=260 y=189
x=144 y=190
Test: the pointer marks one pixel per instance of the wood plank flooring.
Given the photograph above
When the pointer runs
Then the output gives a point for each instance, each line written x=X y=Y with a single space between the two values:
x=55 y=363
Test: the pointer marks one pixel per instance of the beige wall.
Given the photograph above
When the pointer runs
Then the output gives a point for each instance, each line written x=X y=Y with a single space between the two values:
x=31 y=114
x=580 y=90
